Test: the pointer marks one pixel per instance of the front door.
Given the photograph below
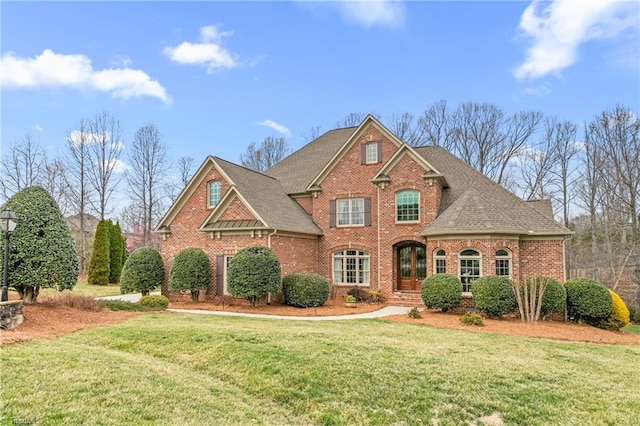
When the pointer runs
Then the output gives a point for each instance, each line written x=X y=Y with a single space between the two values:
x=411 y=266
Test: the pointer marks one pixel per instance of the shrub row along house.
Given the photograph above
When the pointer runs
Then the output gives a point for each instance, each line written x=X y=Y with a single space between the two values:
x=362 y=208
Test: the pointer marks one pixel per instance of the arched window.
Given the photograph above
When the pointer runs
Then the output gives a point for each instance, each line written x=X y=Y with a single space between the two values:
x=503 y=263
x=351 y=267
x=469 y=268
x=213 y=193
x=439 y=262
x=408 y=206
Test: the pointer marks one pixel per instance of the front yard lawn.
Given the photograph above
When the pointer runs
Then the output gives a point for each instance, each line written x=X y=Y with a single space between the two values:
x=197 y=369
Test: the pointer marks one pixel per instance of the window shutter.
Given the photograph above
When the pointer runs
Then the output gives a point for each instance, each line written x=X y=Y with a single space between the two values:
x=380 y=152
x=363 y=153
x=219 y=275
x=332 y=213
x=367 y=212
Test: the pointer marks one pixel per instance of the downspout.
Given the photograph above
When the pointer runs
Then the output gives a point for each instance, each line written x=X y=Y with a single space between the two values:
x=378 y=232
x=269 y=246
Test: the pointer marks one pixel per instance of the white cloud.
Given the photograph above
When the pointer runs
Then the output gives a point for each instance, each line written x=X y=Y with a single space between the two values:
x=208 y=51
x=50 y=69
x=275 y=126
x=119 y=166
x=38 y=128
x=370 y=13
x=558 y=28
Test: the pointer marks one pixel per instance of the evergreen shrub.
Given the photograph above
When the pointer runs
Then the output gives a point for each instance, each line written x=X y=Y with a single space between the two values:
x=441 y=291
x=305 y=290
x=588 y=301
x=253 y=273
x=619 y=313
x=494 y=295
x=142 y=272
x=100 y=263
x=191 y=271
x=154 y=303
x=116 y=243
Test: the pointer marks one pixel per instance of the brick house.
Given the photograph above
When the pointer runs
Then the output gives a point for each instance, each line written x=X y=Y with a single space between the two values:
x=364 y=209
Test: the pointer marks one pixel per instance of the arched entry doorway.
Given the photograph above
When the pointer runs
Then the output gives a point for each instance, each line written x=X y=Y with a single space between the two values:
x=411 y=265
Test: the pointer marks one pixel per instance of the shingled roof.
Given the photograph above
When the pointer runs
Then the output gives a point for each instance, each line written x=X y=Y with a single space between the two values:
x=474 y=203
x=269 y=200
x=297 y=171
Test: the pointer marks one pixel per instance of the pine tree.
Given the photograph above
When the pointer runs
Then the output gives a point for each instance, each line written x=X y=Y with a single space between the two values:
x=116 y=242
x=100 y=258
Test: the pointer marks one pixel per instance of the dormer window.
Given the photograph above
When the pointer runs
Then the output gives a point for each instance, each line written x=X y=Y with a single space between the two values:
x=371 y=153
x=213 y=193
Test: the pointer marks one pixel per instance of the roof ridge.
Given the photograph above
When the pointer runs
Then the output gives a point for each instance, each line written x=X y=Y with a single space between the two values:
x=243 y=167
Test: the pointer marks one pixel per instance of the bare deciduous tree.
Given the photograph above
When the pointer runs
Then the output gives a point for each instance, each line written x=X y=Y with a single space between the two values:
x=23 y=165
x=408 y=129
x=270 y=152
x=436 y=124
x=185 y=168
x=148 y=161
x=104 y=170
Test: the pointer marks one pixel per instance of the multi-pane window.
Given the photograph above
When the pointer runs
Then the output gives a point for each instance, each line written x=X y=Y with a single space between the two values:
x=503 y=263
x=372 y=152
x=469 y=262
x=350 y=211
x=407 y=206
x=213 y=193
x=440 y=262
x=351 y=267
x=225 y=274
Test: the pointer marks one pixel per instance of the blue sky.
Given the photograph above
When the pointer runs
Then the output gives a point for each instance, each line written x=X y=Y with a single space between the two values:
x=216 y=76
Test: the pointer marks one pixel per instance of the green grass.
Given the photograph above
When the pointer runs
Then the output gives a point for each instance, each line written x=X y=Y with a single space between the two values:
x=86 y=289
x=632 y=328
x=198 y=369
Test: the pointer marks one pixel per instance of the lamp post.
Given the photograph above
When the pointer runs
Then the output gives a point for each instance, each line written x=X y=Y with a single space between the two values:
x=8 y=222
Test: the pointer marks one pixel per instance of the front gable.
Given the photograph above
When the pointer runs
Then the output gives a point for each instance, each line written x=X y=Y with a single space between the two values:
x=194 y=196
x=428 y=172
x=370 y=131
x=233 y=212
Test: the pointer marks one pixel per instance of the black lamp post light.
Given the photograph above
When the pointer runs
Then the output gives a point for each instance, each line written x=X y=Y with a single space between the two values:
x=8 y=223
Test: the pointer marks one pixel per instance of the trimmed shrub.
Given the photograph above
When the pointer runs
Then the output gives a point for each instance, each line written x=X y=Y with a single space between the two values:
x=75 y=301
x=100 y=263
x=305 y=290
x=191 y=271
x=554 y=298
x=42 y=252
x=441 y=291
x=588 y=301
x=494 y=295
x=619 y=314
x=254 y=272
x=142 y=272
x=154 y=303
x=472 y=319
x=116 y=243
x=414 y=313
x=358 y=292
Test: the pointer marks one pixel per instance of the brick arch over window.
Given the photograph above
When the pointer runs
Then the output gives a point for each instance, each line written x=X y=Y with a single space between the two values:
x=504 y=262
x=439 y=261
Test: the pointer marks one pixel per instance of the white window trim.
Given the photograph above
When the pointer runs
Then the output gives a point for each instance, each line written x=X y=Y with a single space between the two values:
x=437 y=257
x=508 y=257
x=478 y=258
x=350 y=224
x=404 y=222
x=374 y=151
x=209 y=185
x=342 y=254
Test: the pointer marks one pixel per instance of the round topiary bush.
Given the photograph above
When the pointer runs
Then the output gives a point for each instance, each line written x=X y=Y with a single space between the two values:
x=305 y=290
x=142 y=272
x=154 y=303
x=588 y=301
x=254 y=272
x=441 y=291
x=191 y=271
x=494 y=295
x=619 y=314
x=554 y=298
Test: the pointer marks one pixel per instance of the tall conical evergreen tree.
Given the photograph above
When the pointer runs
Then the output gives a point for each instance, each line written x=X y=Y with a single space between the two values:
x=116 y=242
x=100 y=258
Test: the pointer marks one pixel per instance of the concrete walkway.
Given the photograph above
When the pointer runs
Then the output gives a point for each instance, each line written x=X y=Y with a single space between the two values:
x=384 y=312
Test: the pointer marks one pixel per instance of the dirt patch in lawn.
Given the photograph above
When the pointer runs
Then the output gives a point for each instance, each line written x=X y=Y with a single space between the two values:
x=43 y=320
